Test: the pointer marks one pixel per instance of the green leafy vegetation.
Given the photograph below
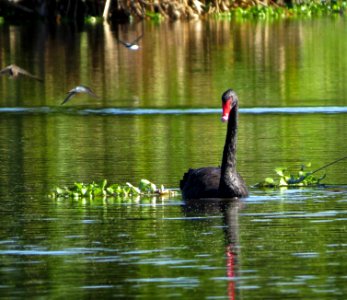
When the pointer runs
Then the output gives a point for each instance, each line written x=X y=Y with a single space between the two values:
x=155 y=17
x=303 y=177
x=304 y=10
x=92 y=20
x=157 y=11
x=102 y=189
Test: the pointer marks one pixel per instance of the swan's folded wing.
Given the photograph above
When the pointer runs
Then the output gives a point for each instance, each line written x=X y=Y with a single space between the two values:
x=200 y=183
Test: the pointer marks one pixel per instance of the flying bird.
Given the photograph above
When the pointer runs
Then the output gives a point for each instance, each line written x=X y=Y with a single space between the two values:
x=79 y=89
x=132 y=45
x=13 y=71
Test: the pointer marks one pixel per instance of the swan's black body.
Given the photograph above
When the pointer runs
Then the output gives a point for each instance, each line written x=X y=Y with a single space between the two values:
x=223 y=182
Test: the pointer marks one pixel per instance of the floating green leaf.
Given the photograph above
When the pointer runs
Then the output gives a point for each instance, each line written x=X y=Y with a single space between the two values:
x=302 y=177
x=280 y=171
x=269 y=180
x=93 y=190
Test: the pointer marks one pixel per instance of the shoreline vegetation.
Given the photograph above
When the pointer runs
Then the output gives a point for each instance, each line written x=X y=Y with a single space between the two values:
x=122 y=11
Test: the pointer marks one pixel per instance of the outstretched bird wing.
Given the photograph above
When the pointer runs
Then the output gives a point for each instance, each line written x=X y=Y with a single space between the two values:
x=68 y=97
x=5 y=71
x=137 y=39
x=91 y=93
x=79 y=89
x=124 y=43
x=26 y=73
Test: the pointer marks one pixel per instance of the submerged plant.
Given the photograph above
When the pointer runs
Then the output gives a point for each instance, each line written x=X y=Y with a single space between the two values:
x=93 y=190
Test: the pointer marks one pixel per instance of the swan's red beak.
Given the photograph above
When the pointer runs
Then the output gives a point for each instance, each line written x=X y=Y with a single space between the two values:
x=226 y=105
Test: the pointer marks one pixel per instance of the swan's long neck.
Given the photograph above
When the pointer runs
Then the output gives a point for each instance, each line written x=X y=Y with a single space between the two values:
x=228 y=161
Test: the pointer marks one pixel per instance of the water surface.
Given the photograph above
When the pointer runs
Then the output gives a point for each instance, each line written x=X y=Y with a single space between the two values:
x=159 y=114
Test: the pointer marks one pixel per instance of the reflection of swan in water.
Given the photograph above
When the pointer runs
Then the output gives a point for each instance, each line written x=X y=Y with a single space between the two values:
x=224 y=182
x=230 y=211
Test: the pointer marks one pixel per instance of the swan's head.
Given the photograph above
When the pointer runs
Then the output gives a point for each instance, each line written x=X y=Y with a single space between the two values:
x=229 y=100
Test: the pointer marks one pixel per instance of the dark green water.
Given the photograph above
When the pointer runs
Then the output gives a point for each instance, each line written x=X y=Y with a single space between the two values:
x=157 y=115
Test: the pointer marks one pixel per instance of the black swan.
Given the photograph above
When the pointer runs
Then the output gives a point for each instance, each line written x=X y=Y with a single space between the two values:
x=215 y=182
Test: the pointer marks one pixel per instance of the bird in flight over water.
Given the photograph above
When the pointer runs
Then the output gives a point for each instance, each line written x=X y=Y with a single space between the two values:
x=13 y=71
x=132 y=45
x=77 y=90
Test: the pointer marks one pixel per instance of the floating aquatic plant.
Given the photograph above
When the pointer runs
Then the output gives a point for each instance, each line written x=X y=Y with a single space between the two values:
x=102 y=189
x=303 y=177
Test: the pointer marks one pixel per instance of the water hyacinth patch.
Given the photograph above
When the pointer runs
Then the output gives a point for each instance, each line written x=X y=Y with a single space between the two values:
x=102 y=189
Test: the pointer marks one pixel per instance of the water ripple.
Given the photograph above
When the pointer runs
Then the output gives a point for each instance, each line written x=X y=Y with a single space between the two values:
x=70 y=251
x=171 y=111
